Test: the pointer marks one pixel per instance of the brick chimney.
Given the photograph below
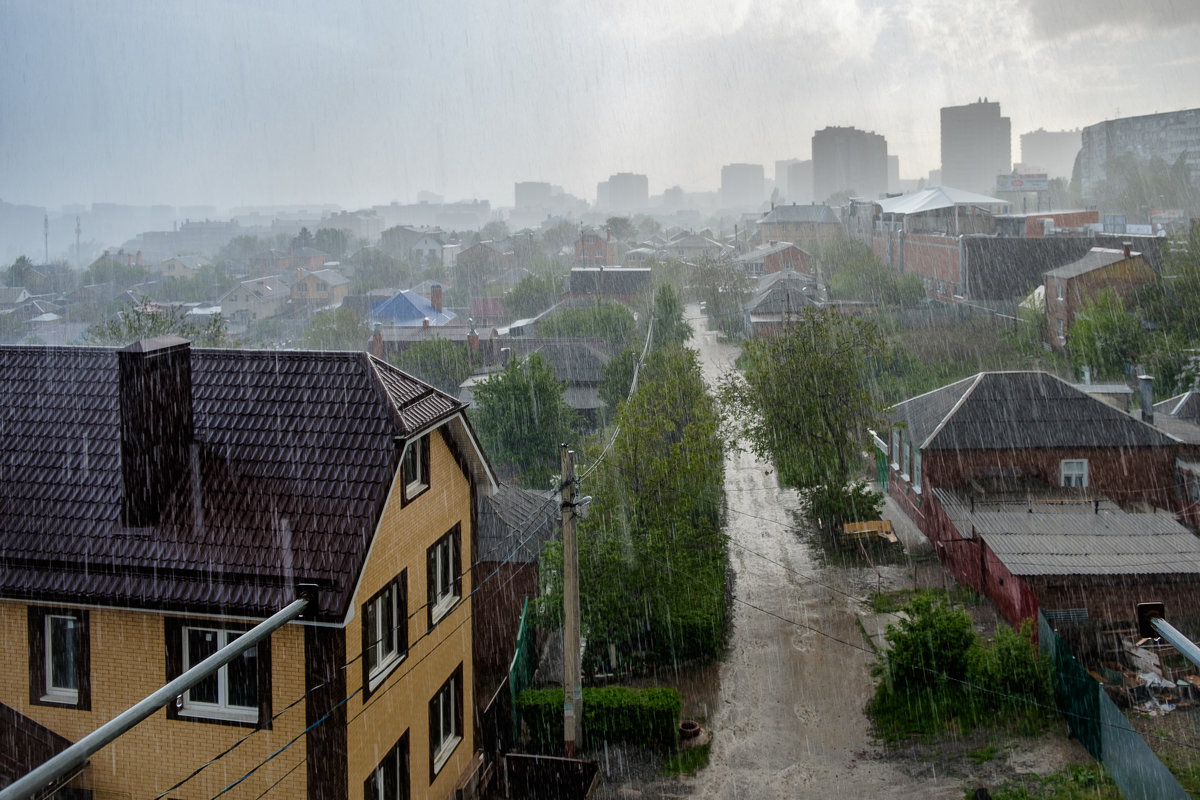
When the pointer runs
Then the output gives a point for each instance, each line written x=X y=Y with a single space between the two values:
x=435 y=297
x=377 y=341
x=155 y=387
x=1146 y=385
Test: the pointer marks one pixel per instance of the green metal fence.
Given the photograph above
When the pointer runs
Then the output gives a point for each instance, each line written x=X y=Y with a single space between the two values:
x=1101 y=727
x=520 y=671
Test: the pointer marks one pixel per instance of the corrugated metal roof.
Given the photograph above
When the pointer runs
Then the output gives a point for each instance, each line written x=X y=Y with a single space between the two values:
x=933 y=198
x=1018 y=410
x=293 y=460
x=1079 y=542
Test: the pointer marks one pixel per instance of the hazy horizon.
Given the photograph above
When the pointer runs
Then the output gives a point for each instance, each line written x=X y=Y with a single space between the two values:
x=232 y=104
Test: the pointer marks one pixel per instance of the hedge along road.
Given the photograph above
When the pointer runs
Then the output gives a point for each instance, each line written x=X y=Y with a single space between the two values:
x=788 y=720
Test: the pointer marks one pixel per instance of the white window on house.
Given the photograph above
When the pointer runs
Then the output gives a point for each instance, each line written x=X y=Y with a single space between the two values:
x=916 y=470
x=62 y=658
x=895 y=449
x=389 y=780
x=1059 y=284
x=905 y=465
x=444 y=574
x=445 y=722
x=1073 y=472
x=385 y=631
x=229 y=693
x=415 y=468
x=1062 y=330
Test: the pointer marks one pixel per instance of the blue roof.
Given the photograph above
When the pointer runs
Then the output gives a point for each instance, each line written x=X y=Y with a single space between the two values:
x=409 y=309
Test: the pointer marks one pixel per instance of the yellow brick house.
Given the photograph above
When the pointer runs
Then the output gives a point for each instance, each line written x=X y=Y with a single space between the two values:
x=158 y=500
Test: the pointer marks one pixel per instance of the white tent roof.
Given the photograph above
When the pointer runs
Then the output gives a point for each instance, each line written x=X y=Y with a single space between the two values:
x=932 y=198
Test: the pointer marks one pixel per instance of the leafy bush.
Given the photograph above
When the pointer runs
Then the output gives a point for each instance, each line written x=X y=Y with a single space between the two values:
x=612 y=714
x=929 y=646
x=832 y=504
x=1011 y=665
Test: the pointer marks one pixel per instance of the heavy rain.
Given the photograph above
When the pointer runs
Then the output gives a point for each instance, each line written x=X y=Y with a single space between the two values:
x=580 y=400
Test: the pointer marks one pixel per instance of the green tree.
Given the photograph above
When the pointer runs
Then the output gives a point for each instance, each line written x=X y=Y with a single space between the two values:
x=804 y=400
x=439 y=362
x=333 y=241
x=607 y=320
x=21 y=273
x=302 y=239
x=853 y=272
x=670 y=328
x=135 y=324
x=240 y=248
x=1104 y=336
x=725 y=290
x=522 y=418
x=340 y=329
x=929 y=645
x=618 y=377
x=114 y=270
x=621 y=228
x=533 y=295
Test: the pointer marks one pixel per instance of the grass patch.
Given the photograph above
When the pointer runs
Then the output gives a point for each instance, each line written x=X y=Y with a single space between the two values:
x=929 y=713
x=982 y=754
x=688 y=760
x=1076 y=782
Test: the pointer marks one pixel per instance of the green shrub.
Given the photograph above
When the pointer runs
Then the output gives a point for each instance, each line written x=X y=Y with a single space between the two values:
x=1011 y=665
x=833 y=504
x=613 y=714
x=929 y=645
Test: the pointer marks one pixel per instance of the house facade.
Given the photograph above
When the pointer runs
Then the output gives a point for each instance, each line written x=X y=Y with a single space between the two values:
x=192 y=491
x=1030 y=443
x=804 y=226
x=1071 y=287
x=321 y=288
x=256 y=299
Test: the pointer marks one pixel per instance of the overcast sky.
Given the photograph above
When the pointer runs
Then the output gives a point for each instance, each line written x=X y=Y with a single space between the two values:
x=232 y=102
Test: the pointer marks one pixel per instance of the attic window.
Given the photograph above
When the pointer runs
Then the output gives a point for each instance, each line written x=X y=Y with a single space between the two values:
x=415 y=468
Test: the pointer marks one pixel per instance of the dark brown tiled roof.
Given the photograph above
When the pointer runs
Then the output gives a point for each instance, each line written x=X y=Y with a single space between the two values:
x=24 y=744
x=293 y=459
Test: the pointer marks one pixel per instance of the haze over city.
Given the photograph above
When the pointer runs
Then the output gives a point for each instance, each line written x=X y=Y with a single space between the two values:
x=235 y=104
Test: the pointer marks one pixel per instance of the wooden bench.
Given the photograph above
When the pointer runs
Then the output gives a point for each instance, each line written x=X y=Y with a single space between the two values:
x=881 y=528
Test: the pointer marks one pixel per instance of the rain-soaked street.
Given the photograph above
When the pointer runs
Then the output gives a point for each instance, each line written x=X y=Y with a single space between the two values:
x=785 y=707
x=788 y=716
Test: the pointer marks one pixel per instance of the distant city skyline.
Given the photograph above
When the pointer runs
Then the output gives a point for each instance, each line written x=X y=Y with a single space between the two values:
x=226 y=103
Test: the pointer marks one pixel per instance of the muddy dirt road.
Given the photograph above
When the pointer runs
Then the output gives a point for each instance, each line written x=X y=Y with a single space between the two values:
x=787 y=719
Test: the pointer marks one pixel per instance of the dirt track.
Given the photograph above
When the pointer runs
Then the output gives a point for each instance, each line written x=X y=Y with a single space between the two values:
x=785 y=707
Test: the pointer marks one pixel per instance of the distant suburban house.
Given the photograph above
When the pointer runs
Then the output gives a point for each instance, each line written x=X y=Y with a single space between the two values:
x=962 y=460
x=320 y=288
x=409 y=309
x=256 y=299
x=622 y=284
x=596 y=249
x=774 y=257
x=578 y=363
x=693 y=247
x=804 y=226
x=192 y=492
x=427 y=249
x=182 y=266
x=640 y=256
x=1068 y=289
x=781 y=298
x=482 y=262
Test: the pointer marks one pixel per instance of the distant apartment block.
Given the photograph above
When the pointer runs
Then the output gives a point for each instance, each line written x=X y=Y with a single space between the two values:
x=1052 y=152
x=624 y=192
x=799 y=182
x=976 y=146
x=849 y=160
x=532 y=195
x=1166 y=136
x=743 y=186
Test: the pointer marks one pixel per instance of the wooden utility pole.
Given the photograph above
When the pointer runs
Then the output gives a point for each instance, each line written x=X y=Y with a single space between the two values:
x=572 y=683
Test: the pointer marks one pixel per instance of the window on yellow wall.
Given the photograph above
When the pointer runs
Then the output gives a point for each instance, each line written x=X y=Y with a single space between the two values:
x=390 y=780
x=415 y=467
x=444 y=574
x=59 y=657
x=445 y=722
x=238 y=693
x=384 y=631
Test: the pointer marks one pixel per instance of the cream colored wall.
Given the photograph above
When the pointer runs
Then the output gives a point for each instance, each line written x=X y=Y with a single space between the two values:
x=401 y=702
x=127 y=664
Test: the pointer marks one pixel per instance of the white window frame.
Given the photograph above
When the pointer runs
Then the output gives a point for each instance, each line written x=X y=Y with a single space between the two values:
x=60 y=694
x=1072 y=470
x=906 y=466
x=413 y=467
x=397 y=761
x=1060 y=290
x=392 y=598
x=222 y=709
x=894 y=456
x=916 y=470
x=443 y=575
x=447 y=736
